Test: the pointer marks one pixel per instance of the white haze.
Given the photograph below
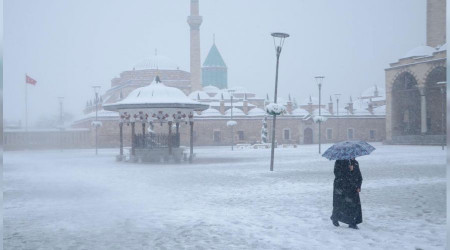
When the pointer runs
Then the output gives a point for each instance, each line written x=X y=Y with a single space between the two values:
x=68 y=46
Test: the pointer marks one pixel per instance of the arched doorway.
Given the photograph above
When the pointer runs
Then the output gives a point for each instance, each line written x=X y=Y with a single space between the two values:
x=308 y=136
x=435 y=99
x=405 y=105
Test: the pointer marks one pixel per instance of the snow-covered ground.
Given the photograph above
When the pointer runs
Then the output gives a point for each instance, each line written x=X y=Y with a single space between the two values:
x=226 y=200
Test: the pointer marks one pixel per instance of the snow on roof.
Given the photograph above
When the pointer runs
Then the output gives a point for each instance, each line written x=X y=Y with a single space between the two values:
x=157 y=92
x=306 y=101
x=236 y=112
x=210 y=112
x=157 y=62
x=211 y=89
x=300 y=112
x=100 y=114
x=196 y=94
x=420 y=51
x=228 y=104
x=238 y=89
x=381 y=110
x=370 y=92
x=256 y=112
x=222 y=93
x=443 y=47
x=322 y=111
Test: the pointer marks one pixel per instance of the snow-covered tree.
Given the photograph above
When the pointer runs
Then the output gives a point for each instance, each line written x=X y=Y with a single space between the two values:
x=264 y=131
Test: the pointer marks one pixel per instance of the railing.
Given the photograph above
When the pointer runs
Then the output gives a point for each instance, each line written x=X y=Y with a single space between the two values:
x=156 y=141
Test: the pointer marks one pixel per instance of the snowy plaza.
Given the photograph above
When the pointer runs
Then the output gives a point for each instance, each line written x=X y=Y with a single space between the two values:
x=224 y=200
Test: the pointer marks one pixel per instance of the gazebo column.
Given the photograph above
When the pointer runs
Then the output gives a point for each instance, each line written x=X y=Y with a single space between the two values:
x=423 y=110
x=178 y=133
x=121 y=139
x=169 y=141
x=133 y=139
x=143 y=134
x=191 y=141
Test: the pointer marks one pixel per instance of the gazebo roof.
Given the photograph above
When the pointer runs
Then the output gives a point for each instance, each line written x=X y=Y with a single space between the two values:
x=156 y=95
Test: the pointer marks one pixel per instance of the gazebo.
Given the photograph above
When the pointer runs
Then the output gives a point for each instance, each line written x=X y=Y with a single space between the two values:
x=156 y=103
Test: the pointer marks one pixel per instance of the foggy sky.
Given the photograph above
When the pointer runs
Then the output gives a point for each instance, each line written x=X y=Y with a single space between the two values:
x=68 y=46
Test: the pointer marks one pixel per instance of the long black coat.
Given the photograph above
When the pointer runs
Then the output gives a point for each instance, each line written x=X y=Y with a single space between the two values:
x=346 y=202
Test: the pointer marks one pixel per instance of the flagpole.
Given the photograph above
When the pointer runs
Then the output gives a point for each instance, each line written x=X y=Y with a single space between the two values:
x=26 y=112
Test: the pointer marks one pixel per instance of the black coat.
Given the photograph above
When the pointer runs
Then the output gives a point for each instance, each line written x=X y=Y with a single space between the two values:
x=346 y=202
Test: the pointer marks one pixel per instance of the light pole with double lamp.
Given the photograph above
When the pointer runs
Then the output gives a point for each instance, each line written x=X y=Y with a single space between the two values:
x=319 y=80
x=337 y=114
x=278 y=41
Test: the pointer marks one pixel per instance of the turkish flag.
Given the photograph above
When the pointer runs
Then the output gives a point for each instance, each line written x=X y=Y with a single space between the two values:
x=30 y=80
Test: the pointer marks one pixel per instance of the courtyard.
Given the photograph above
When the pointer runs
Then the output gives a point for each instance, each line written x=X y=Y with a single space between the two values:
x=224 y=200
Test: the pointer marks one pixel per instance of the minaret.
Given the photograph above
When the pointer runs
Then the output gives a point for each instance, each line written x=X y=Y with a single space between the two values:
x=194 y=21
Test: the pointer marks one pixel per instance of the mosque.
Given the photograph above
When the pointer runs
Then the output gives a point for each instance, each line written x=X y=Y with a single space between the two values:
x=406 y=110
x=362 y=119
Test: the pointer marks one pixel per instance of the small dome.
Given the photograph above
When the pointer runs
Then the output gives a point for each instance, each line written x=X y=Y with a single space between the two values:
x=223 y=93
x=420 y=51
x=312 y=100
x=211 y=89
x=199 y=94
x=211 y=112
x=256 y=112
x=239 y=89
x=157 y=62
x=370 y=92
x=236 y=112
x=322 y=112
x=300 y=112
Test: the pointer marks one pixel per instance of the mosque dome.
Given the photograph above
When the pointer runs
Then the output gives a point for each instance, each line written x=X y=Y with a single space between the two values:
x=236 y=112
x=211 y=89
x=211 y=112
x=420 y=51
x=370 y=92
x=300 y=112
x=310 y=99
x=256 y=112
x=157 y=62
x=322 y=112
x=222 y=93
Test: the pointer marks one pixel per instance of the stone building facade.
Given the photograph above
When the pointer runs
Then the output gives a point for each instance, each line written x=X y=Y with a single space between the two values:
x=416 y=87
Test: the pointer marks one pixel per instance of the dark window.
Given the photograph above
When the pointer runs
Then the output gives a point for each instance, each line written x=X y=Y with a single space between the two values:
x=329 y=133
x=287 y=134
x=372 y=134
x=216 y=136
x=241 y=135
x=350 y=133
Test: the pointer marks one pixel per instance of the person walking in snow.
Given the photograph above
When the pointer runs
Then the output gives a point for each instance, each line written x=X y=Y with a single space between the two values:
x=346 y=188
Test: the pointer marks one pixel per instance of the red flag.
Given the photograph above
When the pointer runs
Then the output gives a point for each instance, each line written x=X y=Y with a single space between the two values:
x=30 y=80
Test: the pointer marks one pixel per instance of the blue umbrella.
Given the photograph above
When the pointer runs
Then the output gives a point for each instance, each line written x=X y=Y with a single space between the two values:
x=347 y=150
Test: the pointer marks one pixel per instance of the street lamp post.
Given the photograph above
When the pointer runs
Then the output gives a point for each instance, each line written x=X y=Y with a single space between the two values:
x=96 y=88
x=443 y=86
x=319 y=80
x=337 y=114
x=278 y=41
x=61 y=122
